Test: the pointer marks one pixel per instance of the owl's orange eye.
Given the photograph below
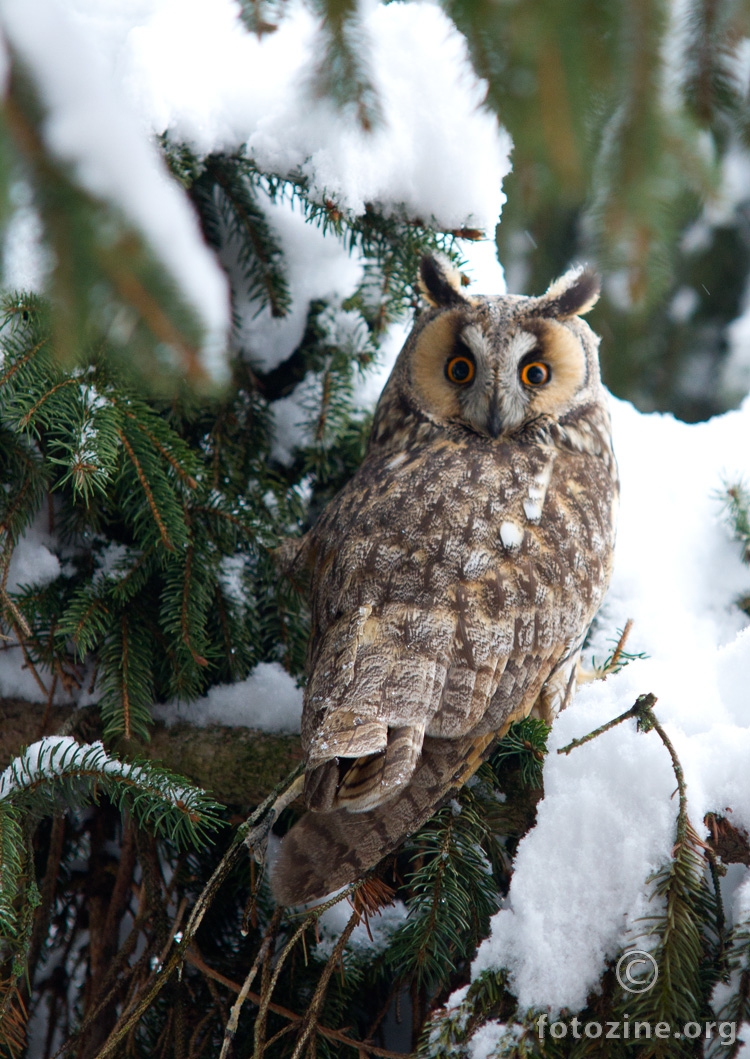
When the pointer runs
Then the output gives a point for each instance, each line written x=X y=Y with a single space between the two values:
x=460 y=370
x=535 y=374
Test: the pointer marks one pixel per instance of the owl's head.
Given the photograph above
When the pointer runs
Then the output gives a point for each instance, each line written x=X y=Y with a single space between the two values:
x=495 y=364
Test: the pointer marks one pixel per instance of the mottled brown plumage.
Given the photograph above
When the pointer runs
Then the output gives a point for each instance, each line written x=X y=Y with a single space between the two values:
x=455 y=576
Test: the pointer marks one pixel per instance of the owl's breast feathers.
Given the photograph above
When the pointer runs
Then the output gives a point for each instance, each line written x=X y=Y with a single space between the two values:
x=448 y=586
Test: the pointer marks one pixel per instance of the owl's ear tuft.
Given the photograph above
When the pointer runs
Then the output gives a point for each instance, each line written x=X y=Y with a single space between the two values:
x=440 y=281
x=572 y=294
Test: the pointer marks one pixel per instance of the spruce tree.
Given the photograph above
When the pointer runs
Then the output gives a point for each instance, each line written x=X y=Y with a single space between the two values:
x=135 y=913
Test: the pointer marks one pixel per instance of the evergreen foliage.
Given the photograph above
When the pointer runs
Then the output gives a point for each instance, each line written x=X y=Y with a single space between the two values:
x=621 y=116
x=129 y=923
x=686 y=939
x=106 y=282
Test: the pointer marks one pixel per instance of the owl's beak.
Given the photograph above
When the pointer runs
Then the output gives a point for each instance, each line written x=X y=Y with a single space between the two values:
x=494 y=421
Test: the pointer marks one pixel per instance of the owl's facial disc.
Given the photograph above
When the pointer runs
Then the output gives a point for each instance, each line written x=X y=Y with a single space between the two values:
x=559 y=351
x=490 y=382
x=451 y=372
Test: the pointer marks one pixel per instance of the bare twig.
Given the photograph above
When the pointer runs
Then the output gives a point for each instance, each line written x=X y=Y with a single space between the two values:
x=310 y=1020
x=620 y=645
x=641 y=707
x=234 y=1017
x=162 y=975
x=363 y=1047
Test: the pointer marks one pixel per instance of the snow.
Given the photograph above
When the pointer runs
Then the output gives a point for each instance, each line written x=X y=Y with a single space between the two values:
x=368 y=387
x=90 y=125
x=192 y=70
x=381 y=926
x=482 y=267
x=26 y=262
x=114 y=560
x=48 y=757
x=318 y=267
x=268 y=700
x=33 y=563
x=231 y=573
x=60 y=756
x=113 y=76
x=607 y=820
x=485 y=1041
x=683 y=304
x=188 y=68
x=735 y=370
x=16 y=680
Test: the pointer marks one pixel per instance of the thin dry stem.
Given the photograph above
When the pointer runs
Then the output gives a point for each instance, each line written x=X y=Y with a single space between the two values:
x=641 y=706
x=234 y=1017
x=311 y=1015
x=159 y=978
x=334 y=1035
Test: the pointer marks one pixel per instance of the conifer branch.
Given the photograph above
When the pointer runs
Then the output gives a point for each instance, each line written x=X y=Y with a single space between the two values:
x=167 y=966
x=83 y=621
x=59 y=765
x=13 y=1019
x=11 y=843
x=266 y=254
x=186 y=595
x=21 y=362
x=157 y=320
x=525 y=742
x=174 y=463
x=310 y=918
x=363 y=1047
x=147 y=490
x=125 y=668
x=736 y=500
x=233 y=1021
x=28 y=416
x=15 y=508
x=310 y=1020
x=23 y=633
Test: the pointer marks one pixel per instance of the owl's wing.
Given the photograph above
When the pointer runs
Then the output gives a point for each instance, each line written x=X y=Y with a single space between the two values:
x=396 y=664
x=423 y=622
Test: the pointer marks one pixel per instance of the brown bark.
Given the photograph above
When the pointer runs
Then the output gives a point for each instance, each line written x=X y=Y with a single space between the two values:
x=237 y=766
x=727 y=841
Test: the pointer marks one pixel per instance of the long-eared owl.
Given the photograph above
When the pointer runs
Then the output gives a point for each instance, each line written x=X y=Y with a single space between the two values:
x=455 y=576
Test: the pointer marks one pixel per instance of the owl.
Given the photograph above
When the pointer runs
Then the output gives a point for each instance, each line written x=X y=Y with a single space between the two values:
x=455 y=576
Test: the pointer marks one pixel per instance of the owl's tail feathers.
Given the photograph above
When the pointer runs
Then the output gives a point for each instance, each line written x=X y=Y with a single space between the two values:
x=327 y=850
x=371 y=765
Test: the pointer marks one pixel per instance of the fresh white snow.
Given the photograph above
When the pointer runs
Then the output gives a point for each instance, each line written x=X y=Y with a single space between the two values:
x=58 y=756
x=34 y=563
x=90 y=125
x=192 y=70
x=373 y=940
x=608 y=816
x=269 y=700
